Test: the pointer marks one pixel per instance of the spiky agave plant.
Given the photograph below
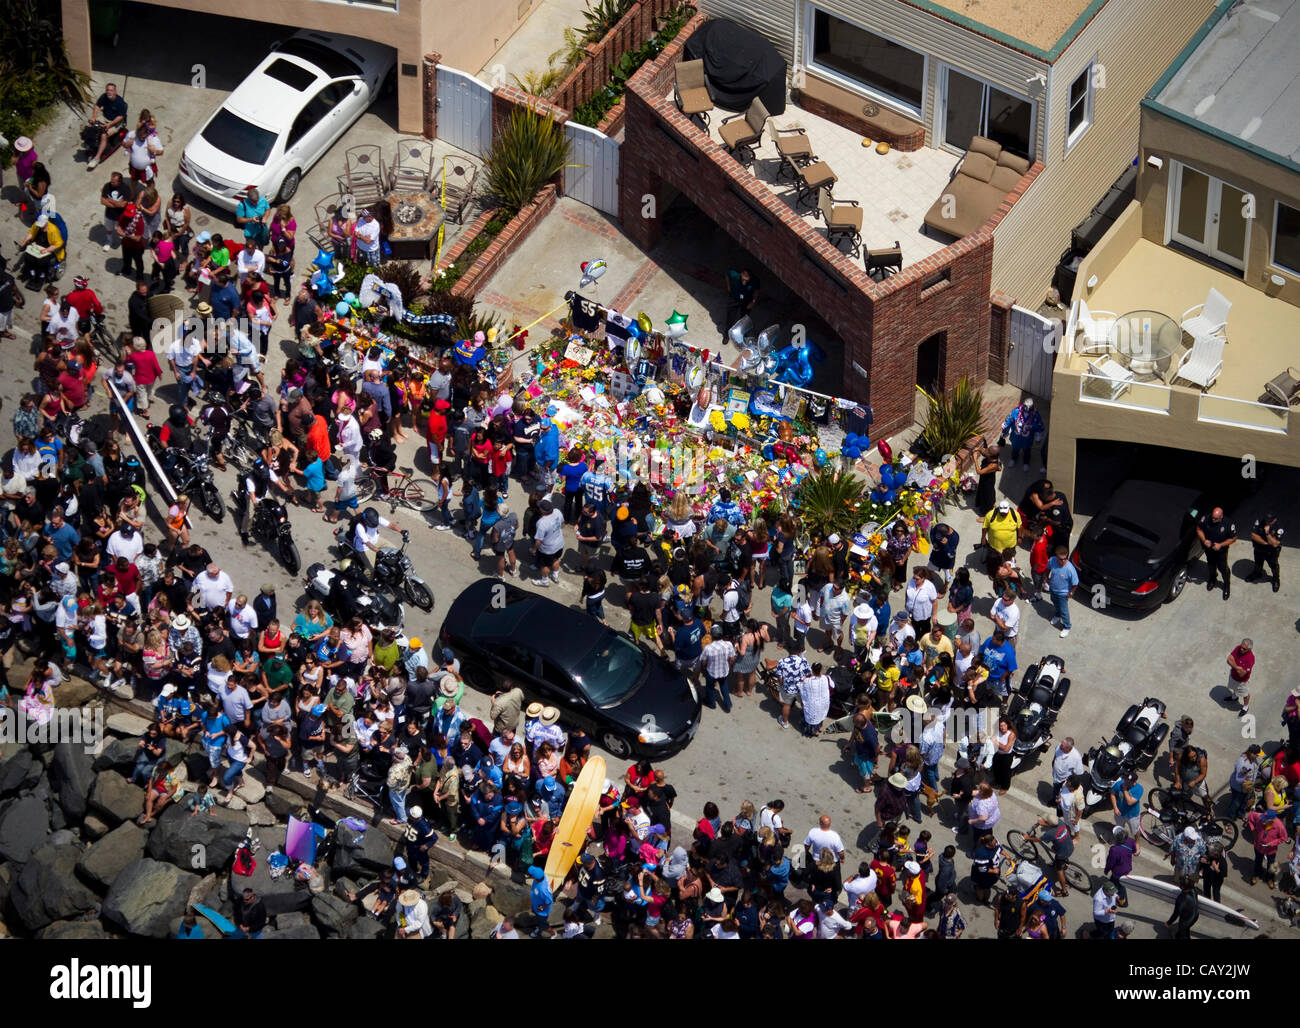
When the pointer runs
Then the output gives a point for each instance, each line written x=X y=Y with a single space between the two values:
x=530 y=152
x=953 y=418
x=828 y=501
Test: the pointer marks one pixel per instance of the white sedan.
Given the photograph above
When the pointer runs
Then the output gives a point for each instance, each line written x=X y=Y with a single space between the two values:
x=282 y=118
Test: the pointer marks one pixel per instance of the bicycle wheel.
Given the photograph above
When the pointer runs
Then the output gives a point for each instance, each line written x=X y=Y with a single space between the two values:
x=365 y=488
x=1220 y=830
x=1160 y=799
x=418 y=494
x=1157 y=829
x=1023 y=850
x=1077 y=878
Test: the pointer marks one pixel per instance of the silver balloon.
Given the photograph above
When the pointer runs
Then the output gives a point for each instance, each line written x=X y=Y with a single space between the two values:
x=739 y=332
x=768 y=337
x=631 y=351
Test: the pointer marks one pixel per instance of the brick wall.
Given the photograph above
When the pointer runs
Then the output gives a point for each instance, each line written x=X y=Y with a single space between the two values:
x=506 y=98
x=882 y=324
x=592 y=73
x=1000 y=305
x=429 y=95
x=467 y=235
x=506 y=243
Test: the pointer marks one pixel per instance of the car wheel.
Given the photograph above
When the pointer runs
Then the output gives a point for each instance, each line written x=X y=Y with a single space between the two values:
x=1179 y=584
x=616 y=744
x=289 y=186
x=478 y=677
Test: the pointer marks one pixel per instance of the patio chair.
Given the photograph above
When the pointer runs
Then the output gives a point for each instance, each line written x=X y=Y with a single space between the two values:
x=462 y=174
x=1209 y=318
x=1109 y=378
x=884 y=261
x=412 y=170
x=320 y=232
x=363 y=174
x=1096 y=327
x=1202 y=363
x=1284 y=389
x=793 y=147
x=692 y=90
x=843 y=220
x=740 y=136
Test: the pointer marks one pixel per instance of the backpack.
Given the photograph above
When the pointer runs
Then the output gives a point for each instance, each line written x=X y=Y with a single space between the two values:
x=399 y=775
x=505 y=530
x=744 y=593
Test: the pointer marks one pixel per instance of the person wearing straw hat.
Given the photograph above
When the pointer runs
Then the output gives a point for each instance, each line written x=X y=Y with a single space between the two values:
x=549 y=730
x=413 y=916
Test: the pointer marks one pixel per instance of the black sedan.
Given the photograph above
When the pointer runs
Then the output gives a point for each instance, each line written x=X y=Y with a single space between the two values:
x=1139 y=545
x=629 y=700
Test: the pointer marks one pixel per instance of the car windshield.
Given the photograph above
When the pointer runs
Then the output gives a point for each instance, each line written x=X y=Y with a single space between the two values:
x=242 y=140
x=610 y=672
x=290 y=74
x=331 y=62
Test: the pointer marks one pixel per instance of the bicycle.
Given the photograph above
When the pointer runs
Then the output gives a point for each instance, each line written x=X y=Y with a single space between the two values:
x=1025 y=846
x=404 y=490
x=1169 y=811
x=107 y=344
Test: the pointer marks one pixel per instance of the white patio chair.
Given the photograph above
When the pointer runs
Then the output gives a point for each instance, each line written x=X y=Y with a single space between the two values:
x=1209 y=318
x=1110 y=378
x=1096 y=327
x=1202 y=363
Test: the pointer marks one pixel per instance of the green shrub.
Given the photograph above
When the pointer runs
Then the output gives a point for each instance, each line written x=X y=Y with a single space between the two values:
x=530 y=152
x=828 y=500
x=35 y=72
x=953 y=418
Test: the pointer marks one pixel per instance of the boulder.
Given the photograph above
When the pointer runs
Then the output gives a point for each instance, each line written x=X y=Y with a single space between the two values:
x=117 y=755
x=282 y=803
x=291 y=919
x=279 y=895
x=236 y=804
x=62 y=837
x=48 y=890
x=116 y=799
x=252 y=791
x=93 y=827
x=74 y=692
x=19 y=772
x=196 y=767
x=146 y=896
x=175 y=752
x=366 y=928
x=301 y=931
x=510 y=898
x=74 y=931
x=8 y=872
x=104 y=861
x=123 y=723
x=370 y=850
x=177 y=834
x=23 y=827
x=259 y=816
x=332 y=914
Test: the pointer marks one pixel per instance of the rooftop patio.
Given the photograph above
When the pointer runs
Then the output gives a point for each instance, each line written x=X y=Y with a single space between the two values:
x=894 y=190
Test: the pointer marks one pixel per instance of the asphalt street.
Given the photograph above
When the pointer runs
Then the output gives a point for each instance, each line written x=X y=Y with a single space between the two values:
x=1176 y=653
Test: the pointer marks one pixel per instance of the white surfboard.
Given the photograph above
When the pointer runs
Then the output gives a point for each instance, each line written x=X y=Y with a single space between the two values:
x=1169 y=891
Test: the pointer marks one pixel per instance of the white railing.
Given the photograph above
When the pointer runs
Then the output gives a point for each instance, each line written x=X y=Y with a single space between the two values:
x=1248 y=414
x=1152 y=397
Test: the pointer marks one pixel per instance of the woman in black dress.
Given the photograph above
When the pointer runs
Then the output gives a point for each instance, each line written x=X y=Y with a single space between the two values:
x=987 y=466
x=1005 y=741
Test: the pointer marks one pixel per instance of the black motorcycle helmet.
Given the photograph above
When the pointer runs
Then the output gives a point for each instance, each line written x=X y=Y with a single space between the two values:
x=370 y=517
x=176 y=414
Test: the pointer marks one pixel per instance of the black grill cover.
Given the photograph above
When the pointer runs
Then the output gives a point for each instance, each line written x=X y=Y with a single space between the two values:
x=739 y=64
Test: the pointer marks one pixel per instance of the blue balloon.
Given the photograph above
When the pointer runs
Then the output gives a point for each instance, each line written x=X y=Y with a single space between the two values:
x=349 y=298
x=852 y=452
x=877 y=495
x=819 y=458
x=889 y=496
x=342 y=309
x=768 y=452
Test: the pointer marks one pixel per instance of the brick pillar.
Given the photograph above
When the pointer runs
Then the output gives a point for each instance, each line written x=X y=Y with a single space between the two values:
x=429 y=94
x=638 y=181
x=1000 y=305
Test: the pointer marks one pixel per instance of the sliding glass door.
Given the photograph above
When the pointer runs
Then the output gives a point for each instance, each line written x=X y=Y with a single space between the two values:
x=975 y=108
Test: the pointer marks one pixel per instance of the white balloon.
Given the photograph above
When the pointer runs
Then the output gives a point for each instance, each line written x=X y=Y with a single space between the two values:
x=631 y=351
x=695 y=377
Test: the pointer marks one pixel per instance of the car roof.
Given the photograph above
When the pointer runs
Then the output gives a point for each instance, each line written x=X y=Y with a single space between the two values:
x=549 y=629
x=269 y=102
x=1156 y=506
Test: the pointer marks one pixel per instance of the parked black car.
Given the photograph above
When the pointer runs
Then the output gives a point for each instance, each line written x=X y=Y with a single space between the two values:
x=1139 y=545
x=629 y=700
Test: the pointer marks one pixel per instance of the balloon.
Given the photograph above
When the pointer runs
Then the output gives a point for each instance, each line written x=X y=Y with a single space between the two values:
x=877 y=496
x=819 y=458
x=852 y=452
x=634 y=331
x=769 y=452
x=676 y=324
x=631 y=351
x=695 y=377
x=323 y=260
x=885 y=450
x=644 y=323
x=890 y=495
x=592 y=270
x=350 y=299
x=342 y=310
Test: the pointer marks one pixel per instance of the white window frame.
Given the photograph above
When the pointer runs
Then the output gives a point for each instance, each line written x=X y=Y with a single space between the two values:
x=1277 y=212
x=1089 y=96
x=941 y=110
x=885 y=99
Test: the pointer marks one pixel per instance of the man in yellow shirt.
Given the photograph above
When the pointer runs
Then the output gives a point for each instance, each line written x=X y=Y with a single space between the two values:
x=1001 y=531
x=44 y=246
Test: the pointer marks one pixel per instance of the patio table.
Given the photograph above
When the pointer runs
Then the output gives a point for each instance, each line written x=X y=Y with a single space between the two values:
x=1148 y=340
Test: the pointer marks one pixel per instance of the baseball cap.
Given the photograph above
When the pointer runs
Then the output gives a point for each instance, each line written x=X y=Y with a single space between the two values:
x=1004 y=505
x=545 y=505
x=318 y=710
x=204 y=237
x=587 y=859
x=62 y=567
x=912 y=867
x=416 y=644
x=535 y=872
x=130 y=210
x=833 y=538
x=441 y=405
x=416 y=812
x=42 y=220
x=962 y=763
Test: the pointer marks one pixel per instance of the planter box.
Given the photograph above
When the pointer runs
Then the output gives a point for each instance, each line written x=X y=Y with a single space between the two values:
x=506 y=242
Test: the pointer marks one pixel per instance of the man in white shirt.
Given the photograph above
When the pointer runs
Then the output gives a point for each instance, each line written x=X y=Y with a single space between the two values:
x=214 y=587
x=921 y=595
x=350 y=439
x=862 y=883
x=821 y=838
x=367 y=233
x=719 y=656
x=251 y=258
x=835 y=608
x=1006 y=615
x=125 y=542
x=548 y=542
x=243 y=618
x=830 y=922
x=1066 y=761
x=63 y=324
x=365 y=538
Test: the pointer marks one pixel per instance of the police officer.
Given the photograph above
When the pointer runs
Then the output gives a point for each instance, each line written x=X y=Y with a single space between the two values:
x=420 y=838
x=1266 y=540
x=1217 y=533
x=257 y=483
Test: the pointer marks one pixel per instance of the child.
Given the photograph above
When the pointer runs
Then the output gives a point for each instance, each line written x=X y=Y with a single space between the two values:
x=945 y=882
x=923 y=854
x=782 y=606
x=593 y=593
x=902 y=845
x=803 y=619
x=201 y=802
x=164 y=255
x=1038 y=556
x=887 y=844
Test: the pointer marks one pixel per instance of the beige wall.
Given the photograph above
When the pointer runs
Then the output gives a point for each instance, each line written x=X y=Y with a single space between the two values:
x=1172 y=140
x=1134 y=43
x=416 y=28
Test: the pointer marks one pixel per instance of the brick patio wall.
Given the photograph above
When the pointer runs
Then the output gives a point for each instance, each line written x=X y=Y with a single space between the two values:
x=508 y=240
x=882 y=324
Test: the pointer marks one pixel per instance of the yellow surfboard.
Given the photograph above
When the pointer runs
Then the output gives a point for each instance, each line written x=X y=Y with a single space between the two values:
x=571 y=833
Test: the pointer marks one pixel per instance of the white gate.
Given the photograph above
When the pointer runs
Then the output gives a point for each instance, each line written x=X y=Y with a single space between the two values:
x=1034 y=342
x=464 y=111
x=592 y=173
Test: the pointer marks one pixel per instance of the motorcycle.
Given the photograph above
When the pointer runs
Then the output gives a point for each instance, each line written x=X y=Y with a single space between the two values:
x=1033 y=712
x=189 y=473
x=93 y=132
x=393 y=570
x=1137 y=739
x=271 y=526
x=347 y=595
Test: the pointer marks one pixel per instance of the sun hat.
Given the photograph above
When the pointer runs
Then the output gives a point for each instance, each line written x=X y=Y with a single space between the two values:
x=714 y=895
x=897 y=780
x=447 y=686
x=863 y=611
x=181 y=623
x=915 y=704
x=204 y=308
x=409 y=898
x=1052 y=818
x=22 y=144
x=550 y=715
x=62 y=567
x=534 y=711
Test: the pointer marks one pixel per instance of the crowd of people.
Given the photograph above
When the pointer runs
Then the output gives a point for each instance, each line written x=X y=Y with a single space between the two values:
x=862 y=640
